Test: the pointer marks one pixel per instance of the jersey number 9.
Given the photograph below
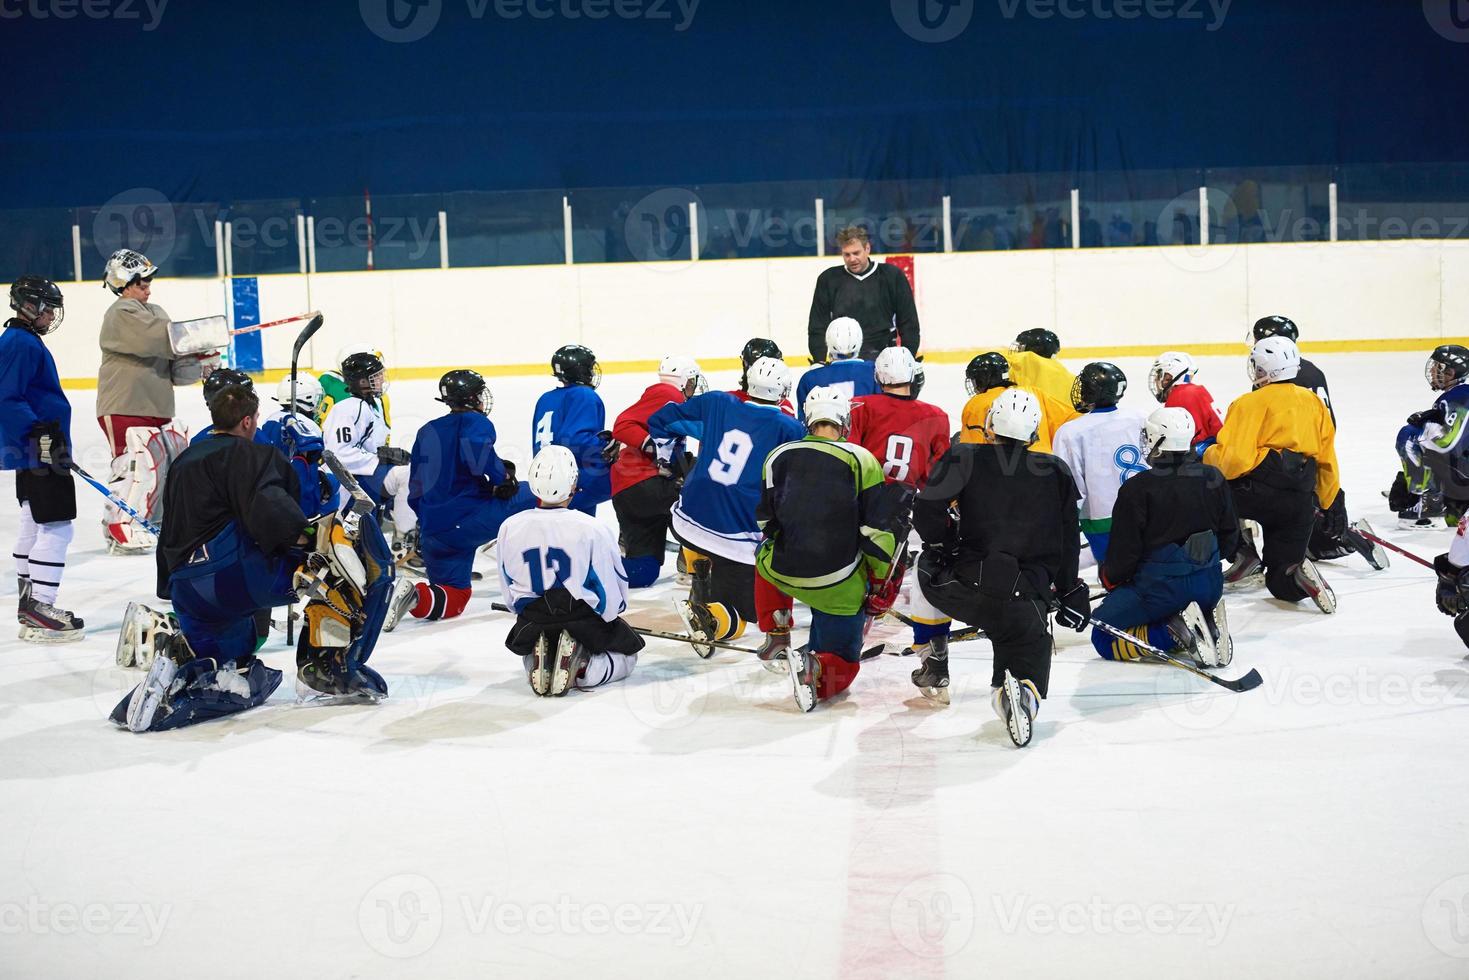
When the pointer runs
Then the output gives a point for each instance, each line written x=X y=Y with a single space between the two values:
x=730 y=459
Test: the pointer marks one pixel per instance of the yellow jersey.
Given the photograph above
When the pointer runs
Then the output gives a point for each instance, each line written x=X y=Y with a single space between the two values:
x=1278 y=416
x=1029 y=370
x=1054 y=414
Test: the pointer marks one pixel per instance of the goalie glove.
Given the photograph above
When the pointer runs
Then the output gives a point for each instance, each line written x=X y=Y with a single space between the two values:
x=394 y=456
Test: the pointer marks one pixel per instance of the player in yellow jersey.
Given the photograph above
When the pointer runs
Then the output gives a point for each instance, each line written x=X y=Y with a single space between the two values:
x=1277 y=450
x=1033 y=364
x=986 y=378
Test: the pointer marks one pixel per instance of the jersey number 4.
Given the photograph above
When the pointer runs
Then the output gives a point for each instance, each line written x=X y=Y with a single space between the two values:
x=544 y=435
x=553 y=562
x=730 y=458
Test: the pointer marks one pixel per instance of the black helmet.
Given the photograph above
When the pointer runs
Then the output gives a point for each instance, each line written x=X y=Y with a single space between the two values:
x=576 y=365
x=364 y=374
x=31 y=297
x=1038 y=340
x=465 y=389
x=221 y=378
x=757 y=348
x=1274 y=326
x=1101 y=384
x=1447 y=366
x=986 y=371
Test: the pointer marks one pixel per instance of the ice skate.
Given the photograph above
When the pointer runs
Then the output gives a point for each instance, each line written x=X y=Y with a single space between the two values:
x=143 y=634
x=23 y=592
x=772 y=652
x=1247 y=571
x=1223 y=642
x=153 y=694
x=1190 y=630
x=405 y=554
x=1375 y=553
x=1017 y=702
x=932 y=676
x=404 y=598
x=700 y=625
x=570 y=661
x=41 y=622
x=1308 y=577
x=805 y=672
x=542 y=663
x=325 y=680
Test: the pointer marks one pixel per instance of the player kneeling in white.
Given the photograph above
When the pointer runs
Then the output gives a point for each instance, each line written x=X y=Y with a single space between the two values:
x=562 y=574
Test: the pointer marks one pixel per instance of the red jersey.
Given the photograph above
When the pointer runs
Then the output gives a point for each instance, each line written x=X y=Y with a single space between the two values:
x=1196 y=400
x=905 y=434
x=633 y=466
x=785 y=403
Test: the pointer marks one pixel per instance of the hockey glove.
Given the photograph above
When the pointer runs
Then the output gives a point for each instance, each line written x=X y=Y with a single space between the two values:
x=509 y=486
x=1074 y=609
x=1451 y=586
x=1334 y=522
x=611 y=448
x=881 y=594
x=1434 y=414
x=49 y=444
x=394 y=456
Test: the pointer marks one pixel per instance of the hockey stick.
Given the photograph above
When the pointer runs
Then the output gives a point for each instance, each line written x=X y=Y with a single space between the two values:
x=253 y=328
x=957 y=636
x=1248 y=682
x=1392 y=547
x=307 y=332
x=117 y=501
x=361 y=502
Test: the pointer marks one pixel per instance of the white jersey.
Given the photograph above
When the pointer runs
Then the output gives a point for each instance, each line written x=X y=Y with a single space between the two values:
x=547 y=547
x=353 y=432
x=1103 y=448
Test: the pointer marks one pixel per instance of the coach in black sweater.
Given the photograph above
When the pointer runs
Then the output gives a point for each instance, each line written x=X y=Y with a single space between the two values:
x=875 y=294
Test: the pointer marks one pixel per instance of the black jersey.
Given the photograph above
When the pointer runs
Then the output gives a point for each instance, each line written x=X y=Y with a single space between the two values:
x=1167 y=504
x=221 y=479
x=1311 y=377
x=880 y=299
x=1009 y=500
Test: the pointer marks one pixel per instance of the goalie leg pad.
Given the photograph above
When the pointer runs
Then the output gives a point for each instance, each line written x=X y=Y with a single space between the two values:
x=138 y=475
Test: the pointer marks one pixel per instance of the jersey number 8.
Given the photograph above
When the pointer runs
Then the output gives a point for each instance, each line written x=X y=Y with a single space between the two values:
x=899 y=457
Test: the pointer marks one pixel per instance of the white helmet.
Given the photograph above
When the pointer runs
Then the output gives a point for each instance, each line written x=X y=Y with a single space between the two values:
x=553 y=475
x=308 y=393
x=768 y=380
x=1174 y=365
x=1168 y=430
x=1016 y=414
x=828 y=405
x=125 y=267
x=680 y=371
x=843 y=337
x=1273 y=359
x=895 y=366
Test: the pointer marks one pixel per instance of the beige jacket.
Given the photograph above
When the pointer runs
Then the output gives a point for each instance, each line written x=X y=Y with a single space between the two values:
x=139 y=369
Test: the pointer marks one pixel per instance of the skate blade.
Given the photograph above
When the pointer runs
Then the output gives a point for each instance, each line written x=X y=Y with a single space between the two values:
x=1254 y=580
x=561 y=673
x=35 y=634
x=316 y=699
x=938 y=695
x=805 y=694
x=1017 y=721
x=681 y=606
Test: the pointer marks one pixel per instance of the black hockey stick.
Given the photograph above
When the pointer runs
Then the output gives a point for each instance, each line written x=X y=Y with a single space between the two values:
x=301 y=339
x=1248 y=682
x=361 y=502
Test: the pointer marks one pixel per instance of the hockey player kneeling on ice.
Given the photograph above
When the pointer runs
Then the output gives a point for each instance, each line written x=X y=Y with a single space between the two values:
x=356 y=432
x=1001 y=546
x=462 y=492
x=1100 y=447
x=1173 y=380
x=1277 y=450
x=235 y=541
x=844 y=371
x=573 y=416
x=1419 y=495
x=714 y=518
x=218 y=380
x=35 y=438
x=649 y=473
x=829 y=540
x=562 y=575
x=135 y=397
x=1170 y=527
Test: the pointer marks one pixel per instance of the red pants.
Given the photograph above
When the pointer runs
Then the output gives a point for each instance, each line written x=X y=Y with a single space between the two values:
x=769 y=600
x=115 y=427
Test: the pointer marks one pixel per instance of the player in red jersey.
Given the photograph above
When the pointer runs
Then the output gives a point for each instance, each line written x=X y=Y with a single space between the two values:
x=907 y=436
x=1172 y=382
x=648 y=473
x=755 y=349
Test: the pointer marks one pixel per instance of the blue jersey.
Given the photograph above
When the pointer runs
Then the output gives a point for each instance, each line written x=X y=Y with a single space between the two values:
x=454 y=469
x=715 y=513
x=572 y=416
x=852 y=377
x=30 y=392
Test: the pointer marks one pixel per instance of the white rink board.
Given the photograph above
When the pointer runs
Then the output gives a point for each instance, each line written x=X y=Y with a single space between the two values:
x=691 y=823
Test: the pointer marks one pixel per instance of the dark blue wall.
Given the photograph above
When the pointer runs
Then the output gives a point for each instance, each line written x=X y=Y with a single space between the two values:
x=233 y=101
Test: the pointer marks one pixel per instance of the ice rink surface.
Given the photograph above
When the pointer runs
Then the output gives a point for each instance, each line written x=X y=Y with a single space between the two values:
x=691 y=823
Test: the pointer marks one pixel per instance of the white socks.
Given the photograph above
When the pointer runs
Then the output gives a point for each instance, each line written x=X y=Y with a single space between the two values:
x=40 y=554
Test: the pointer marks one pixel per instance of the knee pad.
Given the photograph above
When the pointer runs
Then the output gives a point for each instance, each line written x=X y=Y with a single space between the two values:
x=643 y=570
x=439 y=601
